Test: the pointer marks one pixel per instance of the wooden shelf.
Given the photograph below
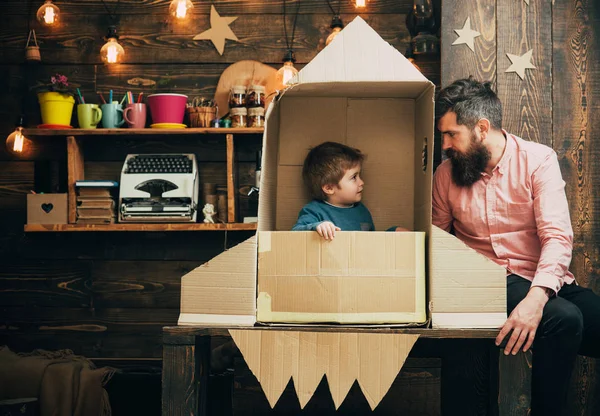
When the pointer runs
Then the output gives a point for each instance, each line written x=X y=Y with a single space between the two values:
x=34 y=228
x=75 y=140
x=138 y=132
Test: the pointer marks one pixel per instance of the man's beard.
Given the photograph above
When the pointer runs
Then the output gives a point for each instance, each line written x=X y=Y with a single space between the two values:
x=467 y=167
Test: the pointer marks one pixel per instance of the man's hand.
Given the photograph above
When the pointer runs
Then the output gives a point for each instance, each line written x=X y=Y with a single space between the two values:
x=524 y=321
x=327 y=230
x=402 y=229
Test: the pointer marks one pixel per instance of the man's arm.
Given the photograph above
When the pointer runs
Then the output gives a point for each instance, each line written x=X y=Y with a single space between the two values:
x=556 y=237
x=553 y=225
x=441 y=215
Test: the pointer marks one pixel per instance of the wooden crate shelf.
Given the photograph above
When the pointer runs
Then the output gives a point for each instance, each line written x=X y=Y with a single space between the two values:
x=139 y=227
x=75 y=139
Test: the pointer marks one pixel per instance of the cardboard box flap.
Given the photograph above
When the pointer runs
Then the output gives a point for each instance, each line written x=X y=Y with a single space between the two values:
x=358 y=53
x=374 y=360
x=222 y=290
x=457 y=272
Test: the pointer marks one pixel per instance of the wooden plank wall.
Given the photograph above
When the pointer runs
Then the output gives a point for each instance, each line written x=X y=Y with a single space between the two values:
x=557 y=104
x=107 y=295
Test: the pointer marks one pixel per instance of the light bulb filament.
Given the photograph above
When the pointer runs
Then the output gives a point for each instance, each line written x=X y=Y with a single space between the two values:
x=181 y=9
x=112 y=54
x=19 y=140
x=288 y=74
x=49 y=15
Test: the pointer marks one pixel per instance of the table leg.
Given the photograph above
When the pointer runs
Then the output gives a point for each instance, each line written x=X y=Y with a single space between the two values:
x=514 y=384
x=186 y=364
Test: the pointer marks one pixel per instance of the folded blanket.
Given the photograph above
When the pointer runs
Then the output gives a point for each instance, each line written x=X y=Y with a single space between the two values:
x=64 y=383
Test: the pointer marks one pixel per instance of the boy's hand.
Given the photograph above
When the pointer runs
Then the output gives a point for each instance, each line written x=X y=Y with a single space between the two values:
x=327 y=230
x=402 y=229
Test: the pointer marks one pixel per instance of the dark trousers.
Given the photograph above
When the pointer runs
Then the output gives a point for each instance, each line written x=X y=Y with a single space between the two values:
x=570 y=325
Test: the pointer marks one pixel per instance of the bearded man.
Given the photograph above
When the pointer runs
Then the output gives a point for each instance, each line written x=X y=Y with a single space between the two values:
x=505 y=197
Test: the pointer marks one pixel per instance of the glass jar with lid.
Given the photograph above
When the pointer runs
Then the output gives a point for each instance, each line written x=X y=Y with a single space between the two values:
x=256 y=117
x=238 y=117
x=237 y=96
x=255 y=96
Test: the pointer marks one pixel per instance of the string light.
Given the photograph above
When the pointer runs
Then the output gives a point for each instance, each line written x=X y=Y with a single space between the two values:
x=336 y=23
x=48 y=13
x=112 y=52
x=179 y=8
x=359 y=4
x=286 y=75
x=16 y=142
x=336 y=28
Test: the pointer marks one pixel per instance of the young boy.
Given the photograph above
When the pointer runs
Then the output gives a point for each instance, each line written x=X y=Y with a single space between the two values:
x=331 y=172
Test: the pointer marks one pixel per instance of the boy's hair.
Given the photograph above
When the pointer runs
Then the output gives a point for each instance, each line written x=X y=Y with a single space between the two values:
x=326 y=164
x=471 y=101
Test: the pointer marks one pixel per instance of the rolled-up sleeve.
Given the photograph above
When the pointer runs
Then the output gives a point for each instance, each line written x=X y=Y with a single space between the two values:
x=553 y=224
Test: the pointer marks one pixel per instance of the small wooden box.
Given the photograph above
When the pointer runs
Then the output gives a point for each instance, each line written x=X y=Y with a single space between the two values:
x=46 y=208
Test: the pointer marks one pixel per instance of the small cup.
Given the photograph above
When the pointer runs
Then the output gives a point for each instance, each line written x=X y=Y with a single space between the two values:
x=88 y=115
x=135 y=115
x=112 y=115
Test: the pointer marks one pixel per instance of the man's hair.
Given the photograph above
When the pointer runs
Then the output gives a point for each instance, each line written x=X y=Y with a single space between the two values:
x=471 y=101
x=326 y=164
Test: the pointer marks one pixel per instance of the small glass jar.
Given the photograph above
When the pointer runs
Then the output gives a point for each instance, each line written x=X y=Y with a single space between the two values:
x=256 y=96
x=238 y=117
x=237 y=96
x=256 y=117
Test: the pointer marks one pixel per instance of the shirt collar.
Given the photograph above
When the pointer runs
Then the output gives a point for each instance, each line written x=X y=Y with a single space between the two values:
x=335 y=206
x=508 y=152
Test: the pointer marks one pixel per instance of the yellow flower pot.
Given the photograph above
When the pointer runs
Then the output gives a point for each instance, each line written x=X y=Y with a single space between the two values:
x=56 y=108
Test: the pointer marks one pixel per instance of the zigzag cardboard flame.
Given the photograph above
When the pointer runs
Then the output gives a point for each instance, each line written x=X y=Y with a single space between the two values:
x=373 y=359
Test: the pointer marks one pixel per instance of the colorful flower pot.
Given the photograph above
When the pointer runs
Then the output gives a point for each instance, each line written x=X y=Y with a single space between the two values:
x=167 y=108
x=56 y=108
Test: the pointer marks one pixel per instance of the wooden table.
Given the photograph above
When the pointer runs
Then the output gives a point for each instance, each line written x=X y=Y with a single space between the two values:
x=186 y=365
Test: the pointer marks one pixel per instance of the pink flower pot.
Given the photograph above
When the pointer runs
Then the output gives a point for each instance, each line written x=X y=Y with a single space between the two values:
x=167 y=108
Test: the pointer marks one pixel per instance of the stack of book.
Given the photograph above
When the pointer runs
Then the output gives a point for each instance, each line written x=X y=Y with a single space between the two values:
x=95 y=202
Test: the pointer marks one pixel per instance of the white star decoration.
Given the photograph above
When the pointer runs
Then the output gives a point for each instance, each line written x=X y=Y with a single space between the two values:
x=219 y=30
x=520 y=63
x=466 y=35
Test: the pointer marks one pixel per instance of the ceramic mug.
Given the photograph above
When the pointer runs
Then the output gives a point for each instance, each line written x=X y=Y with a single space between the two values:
x=112 y=115
x=135 y=115
x=88 y=115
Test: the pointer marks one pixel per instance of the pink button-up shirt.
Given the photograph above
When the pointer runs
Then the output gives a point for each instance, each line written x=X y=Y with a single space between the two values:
x=518 y=217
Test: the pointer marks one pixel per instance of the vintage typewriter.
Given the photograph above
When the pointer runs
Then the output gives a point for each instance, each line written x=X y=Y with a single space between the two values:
x=159 y=188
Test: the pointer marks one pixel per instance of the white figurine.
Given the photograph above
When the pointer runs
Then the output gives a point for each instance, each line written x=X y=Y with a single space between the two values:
x=209 y=212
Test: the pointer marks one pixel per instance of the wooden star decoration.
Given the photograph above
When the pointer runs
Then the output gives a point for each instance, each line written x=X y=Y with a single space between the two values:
x=219 y=30
x=520 y=63
x=466 y=35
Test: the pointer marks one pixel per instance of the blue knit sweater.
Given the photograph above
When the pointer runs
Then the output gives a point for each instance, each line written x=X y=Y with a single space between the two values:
x=355 y=218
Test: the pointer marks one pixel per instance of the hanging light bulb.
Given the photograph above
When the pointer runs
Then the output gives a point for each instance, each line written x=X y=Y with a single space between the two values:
x=16 y=142
x=336 y=27
x=47 y=14
x=359 y=4
x=179 y=8
x=286 y=75
x=112 y=52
